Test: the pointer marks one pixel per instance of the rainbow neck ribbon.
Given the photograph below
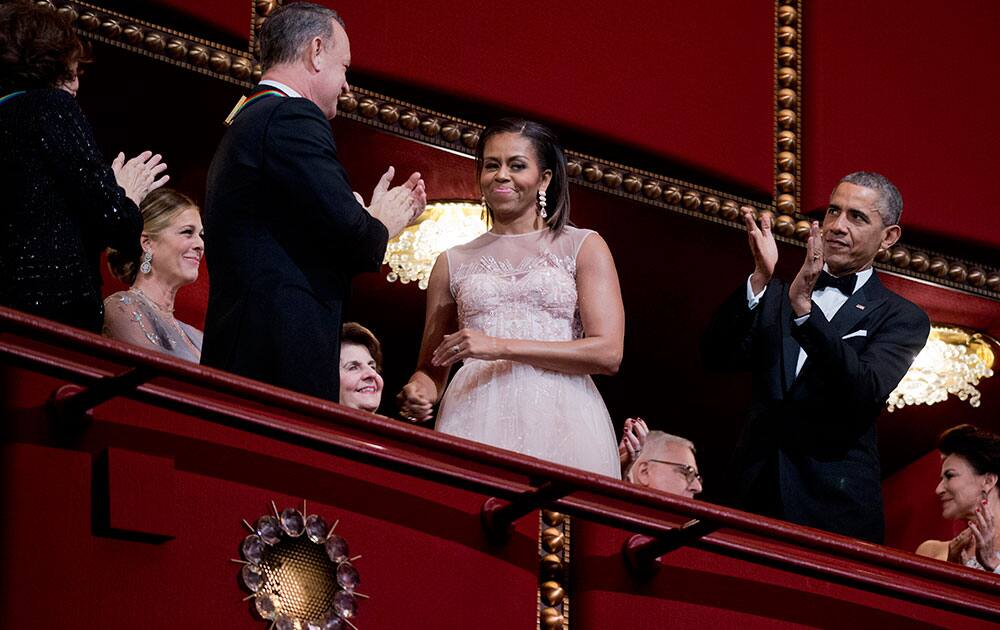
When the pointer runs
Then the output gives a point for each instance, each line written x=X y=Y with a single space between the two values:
x=253 y=98
x=4 y=99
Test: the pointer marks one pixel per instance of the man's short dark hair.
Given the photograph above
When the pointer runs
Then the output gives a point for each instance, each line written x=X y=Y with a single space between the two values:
x=890 y=201
x=290 y=27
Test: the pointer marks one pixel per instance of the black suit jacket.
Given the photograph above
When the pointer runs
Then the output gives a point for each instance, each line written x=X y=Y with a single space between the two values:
x=808 y=452
x=283 y=237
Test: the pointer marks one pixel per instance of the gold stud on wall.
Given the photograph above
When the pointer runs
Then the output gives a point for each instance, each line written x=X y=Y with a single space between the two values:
x=554 y=552
x=409 y=120
x=787 y=116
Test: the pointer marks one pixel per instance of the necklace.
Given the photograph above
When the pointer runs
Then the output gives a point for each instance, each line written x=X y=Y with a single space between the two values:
x=156 y=304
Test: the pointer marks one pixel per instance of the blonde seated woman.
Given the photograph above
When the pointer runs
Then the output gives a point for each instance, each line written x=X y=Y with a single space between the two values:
x=970 y=465
x=172 y=249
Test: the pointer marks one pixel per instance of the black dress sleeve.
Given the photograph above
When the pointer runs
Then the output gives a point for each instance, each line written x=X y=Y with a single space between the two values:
x=107 y=217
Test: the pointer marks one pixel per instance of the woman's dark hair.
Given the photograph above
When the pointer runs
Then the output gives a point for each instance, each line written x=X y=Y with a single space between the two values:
x=352 y=332
x=158 y=209
x=550 y=156
x=37 y=47
x=979 y=447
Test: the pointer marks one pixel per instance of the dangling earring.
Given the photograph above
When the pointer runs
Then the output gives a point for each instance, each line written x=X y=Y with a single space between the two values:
x=541 y=205
x=147 y=258
x=483 y=215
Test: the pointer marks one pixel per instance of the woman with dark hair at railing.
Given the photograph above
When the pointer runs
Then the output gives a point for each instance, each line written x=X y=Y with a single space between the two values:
x=171 y=252
x=360 y=368
x=531 y=309
x=63 y=204
x=970 y=467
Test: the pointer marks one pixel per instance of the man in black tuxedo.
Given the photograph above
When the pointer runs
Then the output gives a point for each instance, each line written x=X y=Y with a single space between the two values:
x=825 y=352
x=285 y=231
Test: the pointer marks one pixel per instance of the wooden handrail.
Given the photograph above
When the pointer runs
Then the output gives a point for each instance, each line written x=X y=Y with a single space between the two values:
x=787 y=545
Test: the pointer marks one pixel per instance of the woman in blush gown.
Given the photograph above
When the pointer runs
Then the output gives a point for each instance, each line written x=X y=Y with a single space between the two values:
x=530 y=309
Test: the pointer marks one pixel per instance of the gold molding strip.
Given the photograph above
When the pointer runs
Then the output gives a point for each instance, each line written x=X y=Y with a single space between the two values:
x=787 y=106
x=428 y=126
x=553 y=570
x=165 y=44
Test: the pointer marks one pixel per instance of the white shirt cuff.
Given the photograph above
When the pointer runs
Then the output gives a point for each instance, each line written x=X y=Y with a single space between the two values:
x=801 y=320
x=753 y=300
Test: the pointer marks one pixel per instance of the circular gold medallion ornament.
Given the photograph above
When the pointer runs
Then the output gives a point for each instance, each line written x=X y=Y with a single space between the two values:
x=299 y=572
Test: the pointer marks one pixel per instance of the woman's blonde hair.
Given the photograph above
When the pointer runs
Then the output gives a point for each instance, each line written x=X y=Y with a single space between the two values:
x=158 y=209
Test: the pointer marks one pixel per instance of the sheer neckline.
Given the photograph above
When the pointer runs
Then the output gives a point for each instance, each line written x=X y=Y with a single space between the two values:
x=545 y=229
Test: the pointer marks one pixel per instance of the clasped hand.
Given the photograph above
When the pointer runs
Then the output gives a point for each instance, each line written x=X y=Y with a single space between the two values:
x=765 y=256
x=416 y=400
x=467 y=343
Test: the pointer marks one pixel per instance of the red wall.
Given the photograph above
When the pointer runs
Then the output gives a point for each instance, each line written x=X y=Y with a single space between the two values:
x=689 y=80
x=908 y=89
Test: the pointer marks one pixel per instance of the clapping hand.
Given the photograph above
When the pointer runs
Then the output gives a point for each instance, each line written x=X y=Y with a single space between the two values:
x=960 y=547
x=633 y=438
x=138 y=176
x=983 y=528
x=762 y=246
x=800 y=291
x=397 y=207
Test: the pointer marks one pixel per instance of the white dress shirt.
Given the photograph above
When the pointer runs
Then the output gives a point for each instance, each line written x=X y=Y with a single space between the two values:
x=828 y=299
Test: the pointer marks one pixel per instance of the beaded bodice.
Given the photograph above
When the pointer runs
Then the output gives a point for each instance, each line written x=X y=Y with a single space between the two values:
x=519 y=286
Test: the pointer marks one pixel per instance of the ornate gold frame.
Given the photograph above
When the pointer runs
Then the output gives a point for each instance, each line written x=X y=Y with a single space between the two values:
x=412 y=121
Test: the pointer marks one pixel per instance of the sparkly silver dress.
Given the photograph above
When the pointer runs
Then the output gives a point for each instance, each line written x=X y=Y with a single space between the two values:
x=524 y=287
x=131 y=317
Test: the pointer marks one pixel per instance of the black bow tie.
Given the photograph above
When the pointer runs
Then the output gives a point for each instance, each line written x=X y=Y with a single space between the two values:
x=844 y=284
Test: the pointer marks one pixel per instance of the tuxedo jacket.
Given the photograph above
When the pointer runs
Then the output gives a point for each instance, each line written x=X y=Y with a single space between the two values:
x=808 y=451
x=283 y=237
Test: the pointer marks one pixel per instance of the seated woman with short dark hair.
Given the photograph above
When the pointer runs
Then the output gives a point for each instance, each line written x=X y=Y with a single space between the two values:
x=970 y=466
x=360 y=368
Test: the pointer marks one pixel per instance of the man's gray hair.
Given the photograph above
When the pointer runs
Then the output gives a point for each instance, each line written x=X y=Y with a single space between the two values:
x=290 y=27
x=654 y=445
x=890 y=201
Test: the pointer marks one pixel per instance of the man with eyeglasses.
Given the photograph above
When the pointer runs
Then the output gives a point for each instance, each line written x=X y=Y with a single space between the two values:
x=666 y=462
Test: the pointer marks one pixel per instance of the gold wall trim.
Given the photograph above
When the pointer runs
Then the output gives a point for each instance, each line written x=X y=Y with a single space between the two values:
x=787 y=106
x=411 y=121
x=159 y=42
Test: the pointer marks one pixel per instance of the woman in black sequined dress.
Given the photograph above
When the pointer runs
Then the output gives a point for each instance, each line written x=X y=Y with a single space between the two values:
x=61 y=204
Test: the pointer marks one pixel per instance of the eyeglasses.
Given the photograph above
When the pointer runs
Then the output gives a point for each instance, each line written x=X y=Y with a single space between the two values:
x=690 y=472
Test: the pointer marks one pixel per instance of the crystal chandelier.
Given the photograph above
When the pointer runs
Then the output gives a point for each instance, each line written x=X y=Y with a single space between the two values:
x=412 y=253
x=952 y=362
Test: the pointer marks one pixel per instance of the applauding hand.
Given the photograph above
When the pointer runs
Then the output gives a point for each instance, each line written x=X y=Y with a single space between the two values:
x=762 y=246
x=138 y=176
x=633 y=438
x=398 y=207
x=800 y=291
x=983 y=528
x=961 y=547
